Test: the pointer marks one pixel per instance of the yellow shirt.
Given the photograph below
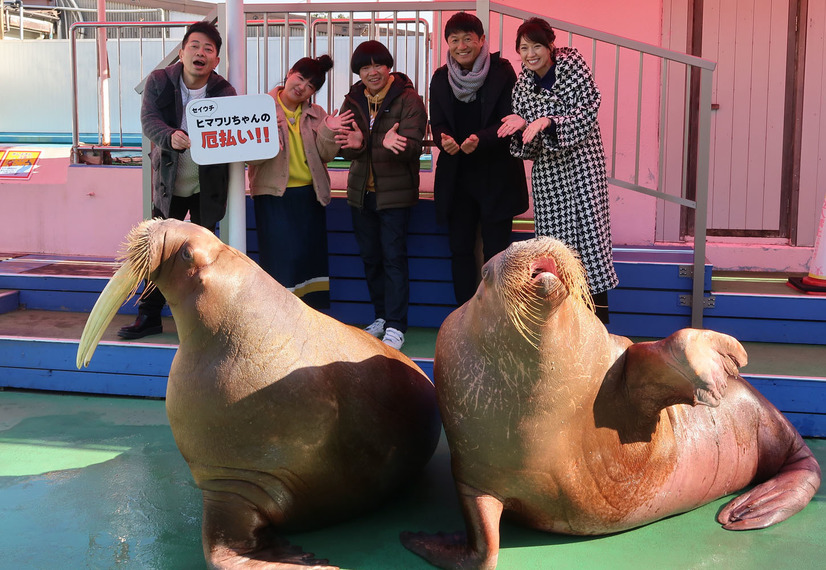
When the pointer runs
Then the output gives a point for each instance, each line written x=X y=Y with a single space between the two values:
x=299 y=169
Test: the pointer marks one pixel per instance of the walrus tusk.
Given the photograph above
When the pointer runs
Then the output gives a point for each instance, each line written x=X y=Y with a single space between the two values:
x=122 y=285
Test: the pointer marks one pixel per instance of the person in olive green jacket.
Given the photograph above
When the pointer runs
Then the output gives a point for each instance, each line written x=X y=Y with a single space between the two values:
x=384 y=143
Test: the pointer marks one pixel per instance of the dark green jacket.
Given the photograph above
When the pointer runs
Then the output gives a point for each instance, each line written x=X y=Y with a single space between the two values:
x=396 y=176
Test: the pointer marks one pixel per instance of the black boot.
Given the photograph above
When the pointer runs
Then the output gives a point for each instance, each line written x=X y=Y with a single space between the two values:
x=144 y=325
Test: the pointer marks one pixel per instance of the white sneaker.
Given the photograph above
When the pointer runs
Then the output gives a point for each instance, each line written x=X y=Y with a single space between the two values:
x=393 y=337
x=376 y=328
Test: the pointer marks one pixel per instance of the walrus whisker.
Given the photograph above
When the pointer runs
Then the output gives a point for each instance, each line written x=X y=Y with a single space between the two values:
x=138 y=255
x=526 y=301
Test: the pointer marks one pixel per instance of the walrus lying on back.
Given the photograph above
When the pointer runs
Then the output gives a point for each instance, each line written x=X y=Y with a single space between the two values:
x=287 y=418
x=573 y=430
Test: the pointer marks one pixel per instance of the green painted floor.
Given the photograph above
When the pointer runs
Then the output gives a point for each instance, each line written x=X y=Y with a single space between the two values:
x=93 y=482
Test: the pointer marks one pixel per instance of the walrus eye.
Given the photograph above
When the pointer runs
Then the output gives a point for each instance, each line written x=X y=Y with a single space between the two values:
x=186 y=254
x=485 y=273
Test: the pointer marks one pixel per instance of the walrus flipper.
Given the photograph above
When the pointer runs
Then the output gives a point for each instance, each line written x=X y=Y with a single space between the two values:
x=691 y=366
x=777 y=499
x=457 y=550
x=237 y=535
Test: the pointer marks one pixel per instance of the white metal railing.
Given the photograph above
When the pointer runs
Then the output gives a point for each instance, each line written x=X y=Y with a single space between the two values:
x=116 y=92
x=656 y=108
x=65 y=12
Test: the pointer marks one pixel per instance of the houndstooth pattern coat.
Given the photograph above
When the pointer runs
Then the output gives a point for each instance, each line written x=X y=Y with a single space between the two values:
x=568 y=178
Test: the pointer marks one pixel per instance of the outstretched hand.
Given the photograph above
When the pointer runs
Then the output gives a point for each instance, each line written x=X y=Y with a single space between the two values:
x=534 y=128
x=336 y=122
x=511 y=124
x=349 y=136
x=393 y=141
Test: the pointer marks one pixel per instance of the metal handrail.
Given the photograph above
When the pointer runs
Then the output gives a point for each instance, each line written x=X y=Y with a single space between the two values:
x=73 y=61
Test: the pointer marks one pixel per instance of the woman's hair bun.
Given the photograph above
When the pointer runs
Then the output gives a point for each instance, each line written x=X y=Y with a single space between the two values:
x=325 y=62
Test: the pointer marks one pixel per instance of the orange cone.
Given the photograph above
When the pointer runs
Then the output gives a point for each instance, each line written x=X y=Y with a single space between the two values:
x=815 y=282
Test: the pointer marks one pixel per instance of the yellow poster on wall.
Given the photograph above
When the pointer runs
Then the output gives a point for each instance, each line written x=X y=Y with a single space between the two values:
x=18 y=164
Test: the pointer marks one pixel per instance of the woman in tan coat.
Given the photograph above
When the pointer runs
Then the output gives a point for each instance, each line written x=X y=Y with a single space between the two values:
x=291 y=189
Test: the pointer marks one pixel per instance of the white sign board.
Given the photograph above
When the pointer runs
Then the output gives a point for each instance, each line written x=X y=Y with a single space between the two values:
x=232 y=129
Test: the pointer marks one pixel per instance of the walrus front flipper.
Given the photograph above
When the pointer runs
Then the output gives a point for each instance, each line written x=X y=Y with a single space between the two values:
x=777 y=499
x=458 y=550
x=691 y=366
x=237 y=535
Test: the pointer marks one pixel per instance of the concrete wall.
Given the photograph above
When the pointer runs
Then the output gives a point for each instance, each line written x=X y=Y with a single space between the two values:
x=81 y=210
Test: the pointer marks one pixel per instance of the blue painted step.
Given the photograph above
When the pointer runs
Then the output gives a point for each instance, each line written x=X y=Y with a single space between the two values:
x=9 y=300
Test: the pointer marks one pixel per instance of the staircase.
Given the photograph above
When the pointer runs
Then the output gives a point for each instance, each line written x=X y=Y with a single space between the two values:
x=45 y=300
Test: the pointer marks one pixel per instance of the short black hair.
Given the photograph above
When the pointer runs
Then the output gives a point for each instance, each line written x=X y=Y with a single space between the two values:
x=314 y=69
x=464 y=22
x=208 y=30
x=370 y=52
x=537 y=30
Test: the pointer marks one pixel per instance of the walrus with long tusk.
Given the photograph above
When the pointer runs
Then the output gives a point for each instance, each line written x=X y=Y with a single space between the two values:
x=572 y=430
x=287 y=418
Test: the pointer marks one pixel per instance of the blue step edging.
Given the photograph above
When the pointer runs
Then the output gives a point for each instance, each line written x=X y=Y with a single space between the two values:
x=141 y=370
x=9 y=300
x=652 y=300
x=801 y=400
x=116 y=369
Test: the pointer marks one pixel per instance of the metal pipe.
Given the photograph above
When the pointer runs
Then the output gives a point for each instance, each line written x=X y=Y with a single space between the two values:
x=701 y=213
x=234 y=224
x=75 y=123
x=104 y=127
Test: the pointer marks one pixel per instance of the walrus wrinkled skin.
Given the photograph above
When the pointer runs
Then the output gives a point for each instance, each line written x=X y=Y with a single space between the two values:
x=287 y=418
x=573 y=430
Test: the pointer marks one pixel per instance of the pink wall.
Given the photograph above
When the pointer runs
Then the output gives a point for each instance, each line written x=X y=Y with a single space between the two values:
x=639 y=20
x=64 y=209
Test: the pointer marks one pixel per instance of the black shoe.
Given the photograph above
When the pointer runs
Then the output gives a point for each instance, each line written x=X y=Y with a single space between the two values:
x=144 y=325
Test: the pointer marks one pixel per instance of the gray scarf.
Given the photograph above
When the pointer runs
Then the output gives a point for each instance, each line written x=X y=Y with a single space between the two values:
x=466 y=83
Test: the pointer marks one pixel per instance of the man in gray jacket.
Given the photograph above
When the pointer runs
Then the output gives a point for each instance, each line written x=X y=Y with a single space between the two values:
x=179 y=186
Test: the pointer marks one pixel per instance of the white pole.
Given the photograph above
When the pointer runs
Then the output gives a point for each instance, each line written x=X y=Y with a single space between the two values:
x=104 y=127
x=234 y=224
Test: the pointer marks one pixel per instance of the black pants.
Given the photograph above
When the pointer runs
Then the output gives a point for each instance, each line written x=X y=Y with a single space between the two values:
x=382 y=240
x=601 y=306
x=463 y=221
x=152 y=304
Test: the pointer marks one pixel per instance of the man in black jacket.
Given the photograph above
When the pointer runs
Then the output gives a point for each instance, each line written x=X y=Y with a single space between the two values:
x=478 y=184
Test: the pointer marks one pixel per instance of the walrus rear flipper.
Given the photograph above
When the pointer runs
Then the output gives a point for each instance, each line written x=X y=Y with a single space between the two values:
x=782 y=496
x=236 y=535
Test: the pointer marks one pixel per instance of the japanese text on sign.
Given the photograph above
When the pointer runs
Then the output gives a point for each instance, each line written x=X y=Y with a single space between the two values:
x=232 y=129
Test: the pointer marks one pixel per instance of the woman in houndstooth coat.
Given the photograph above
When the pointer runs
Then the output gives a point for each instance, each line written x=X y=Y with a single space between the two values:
x=555 y=104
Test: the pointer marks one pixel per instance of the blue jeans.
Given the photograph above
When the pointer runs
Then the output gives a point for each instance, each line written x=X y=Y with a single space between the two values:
x=382 y=240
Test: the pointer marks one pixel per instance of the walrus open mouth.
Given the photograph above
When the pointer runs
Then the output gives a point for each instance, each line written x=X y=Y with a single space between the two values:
x=543 y=274
x=537 y=276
